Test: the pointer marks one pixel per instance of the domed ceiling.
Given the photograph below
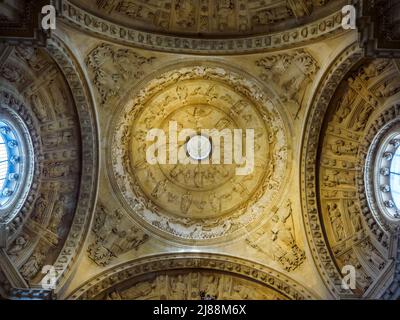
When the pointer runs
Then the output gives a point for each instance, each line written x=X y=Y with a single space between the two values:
x=208 y=17
x=126 y=203
x=197 y=200
x=34 y=87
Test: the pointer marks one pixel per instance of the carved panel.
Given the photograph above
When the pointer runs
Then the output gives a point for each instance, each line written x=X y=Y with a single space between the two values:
x=290 y=74
x=320 y=247
x=354 y=237
x=277 y=240
x=322 y=28
x=201 y=16
x=57 y=156
x=193 y=285
x=111 y=68
x=113 y=236
x=86 y=194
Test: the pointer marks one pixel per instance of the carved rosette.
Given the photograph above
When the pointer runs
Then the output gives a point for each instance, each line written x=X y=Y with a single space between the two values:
x=197 y=201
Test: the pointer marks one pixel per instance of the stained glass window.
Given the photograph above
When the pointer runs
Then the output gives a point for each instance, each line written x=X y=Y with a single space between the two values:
x=3 y=162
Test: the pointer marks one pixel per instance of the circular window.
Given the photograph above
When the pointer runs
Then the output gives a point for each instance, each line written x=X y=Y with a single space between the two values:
x=10 y=162
x=388 y=176
x=382 y=178
x=199 y=147
x=16 y=162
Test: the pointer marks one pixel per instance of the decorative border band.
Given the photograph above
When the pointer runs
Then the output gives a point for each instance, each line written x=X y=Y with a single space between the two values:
x=90 y=157
x=78 y=17
x=312 y=220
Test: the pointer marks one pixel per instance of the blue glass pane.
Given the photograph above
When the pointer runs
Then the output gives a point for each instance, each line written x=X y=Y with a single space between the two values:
x=3 y=162
x=395 y=178
x=9 y=169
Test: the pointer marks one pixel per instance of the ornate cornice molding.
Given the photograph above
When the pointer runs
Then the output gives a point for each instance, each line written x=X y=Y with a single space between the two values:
x=90 y=158
x=253 y=271
x=25 y=30
x=378 y=25
x=210 y=18
x=75 y=16
x=311 y=213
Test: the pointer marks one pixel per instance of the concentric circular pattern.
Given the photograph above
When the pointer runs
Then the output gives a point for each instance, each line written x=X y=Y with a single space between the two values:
x=196 y=176
x=382 y=170
x=16 y=163
x=207 y=198
x=10 y=161
x=198 y=190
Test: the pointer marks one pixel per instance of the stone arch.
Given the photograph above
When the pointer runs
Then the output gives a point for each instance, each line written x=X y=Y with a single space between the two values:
x=55 y=220
x=126 y=275
x=313 y=225
x=348 y=110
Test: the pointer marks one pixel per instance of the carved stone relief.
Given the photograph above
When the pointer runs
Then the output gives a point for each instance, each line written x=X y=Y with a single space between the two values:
x=212 y=276
x=277 y=239
x=58 y=156
x=196 y=204
x=200 y=285
x=33 y=266
x=289 y=74
x=320 y=247
x=86 y=194
x=111 y=68
x=113 y=236
x=354 y=236
x=322 y=28
x=41 y=229
x=201 y=16
x=198 y=201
